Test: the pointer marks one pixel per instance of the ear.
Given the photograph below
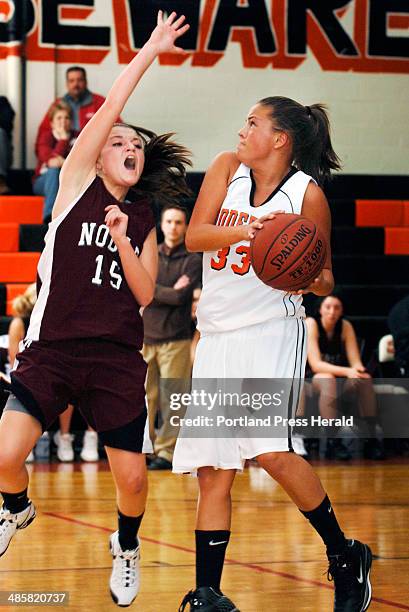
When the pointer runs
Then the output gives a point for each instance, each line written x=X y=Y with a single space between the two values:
x=281 y=139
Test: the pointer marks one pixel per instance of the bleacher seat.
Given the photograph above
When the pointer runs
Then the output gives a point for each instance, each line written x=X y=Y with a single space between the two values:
x=21 y=209
x=379 y=213
x=397 y=240
x=18 y=267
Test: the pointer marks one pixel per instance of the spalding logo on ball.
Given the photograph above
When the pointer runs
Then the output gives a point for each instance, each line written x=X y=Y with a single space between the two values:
x=288 y=253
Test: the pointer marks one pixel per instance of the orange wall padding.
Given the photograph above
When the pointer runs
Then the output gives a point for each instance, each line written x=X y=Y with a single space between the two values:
x=396 y=240
x=378 y=213
x=8 y=237
x=18 y=267
x=21 y=209
x=406 y=214
x=13 y=290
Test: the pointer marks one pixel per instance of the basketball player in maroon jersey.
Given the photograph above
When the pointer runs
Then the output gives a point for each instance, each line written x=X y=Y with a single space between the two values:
x=97 y=269
x=249 y=330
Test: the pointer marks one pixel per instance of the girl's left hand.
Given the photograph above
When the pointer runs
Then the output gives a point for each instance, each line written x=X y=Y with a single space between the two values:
x=167 y=32
x=322 y=285
x=116 y=221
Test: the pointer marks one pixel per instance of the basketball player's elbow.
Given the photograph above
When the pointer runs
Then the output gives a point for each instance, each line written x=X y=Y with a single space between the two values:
x=192 y=241
x=145 y=298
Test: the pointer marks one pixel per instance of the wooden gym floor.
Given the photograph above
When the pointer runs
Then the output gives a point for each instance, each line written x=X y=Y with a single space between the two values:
x=275 y=560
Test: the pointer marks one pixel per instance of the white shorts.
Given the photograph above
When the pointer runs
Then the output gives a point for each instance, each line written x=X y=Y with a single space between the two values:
x=275 y=349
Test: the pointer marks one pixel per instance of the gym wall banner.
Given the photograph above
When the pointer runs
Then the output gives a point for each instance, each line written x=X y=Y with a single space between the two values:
x=352 y=55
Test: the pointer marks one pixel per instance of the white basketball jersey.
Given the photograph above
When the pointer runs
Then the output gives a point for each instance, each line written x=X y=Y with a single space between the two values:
x=233 y=296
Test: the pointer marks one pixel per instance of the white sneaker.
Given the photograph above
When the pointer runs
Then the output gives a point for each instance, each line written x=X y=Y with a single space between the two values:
x=125 y=578
x=298 y=446
x=65 y=452
x=9 y=523
x=89 y=450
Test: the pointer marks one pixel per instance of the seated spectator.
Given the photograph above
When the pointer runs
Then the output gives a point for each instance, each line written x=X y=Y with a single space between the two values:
x=398 y=321
x=22 y=306
x=83 y=103
x=6 y=149
x=333 y=353
x=53 y=146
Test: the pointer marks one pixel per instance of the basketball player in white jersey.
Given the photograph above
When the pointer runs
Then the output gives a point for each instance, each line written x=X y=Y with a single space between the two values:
x=97 y=269
x=249 y=330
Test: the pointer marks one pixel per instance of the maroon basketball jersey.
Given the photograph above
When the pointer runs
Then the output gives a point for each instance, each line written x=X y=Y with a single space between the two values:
x=84 y=293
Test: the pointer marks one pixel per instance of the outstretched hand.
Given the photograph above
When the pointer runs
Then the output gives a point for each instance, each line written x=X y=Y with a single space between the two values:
x=167 y=32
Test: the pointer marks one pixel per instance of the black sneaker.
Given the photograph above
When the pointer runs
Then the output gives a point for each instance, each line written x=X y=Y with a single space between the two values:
x=160 y=463
x=336 y=449
x=350 y=573
x=206 y=599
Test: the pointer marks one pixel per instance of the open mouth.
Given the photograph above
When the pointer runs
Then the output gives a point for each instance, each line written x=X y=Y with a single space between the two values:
x=130 y=162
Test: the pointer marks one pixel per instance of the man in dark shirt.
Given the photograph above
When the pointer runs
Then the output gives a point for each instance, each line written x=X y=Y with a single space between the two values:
x=168 y=329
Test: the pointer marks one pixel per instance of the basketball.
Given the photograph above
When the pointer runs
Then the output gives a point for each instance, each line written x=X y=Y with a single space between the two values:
x=288 y=253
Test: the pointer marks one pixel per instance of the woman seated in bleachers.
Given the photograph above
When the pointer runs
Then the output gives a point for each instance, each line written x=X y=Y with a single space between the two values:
x=53 y=147
x=333 y=353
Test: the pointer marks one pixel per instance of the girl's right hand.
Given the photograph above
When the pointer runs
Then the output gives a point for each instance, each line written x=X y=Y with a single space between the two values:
x=250 y=230
x=167 y=32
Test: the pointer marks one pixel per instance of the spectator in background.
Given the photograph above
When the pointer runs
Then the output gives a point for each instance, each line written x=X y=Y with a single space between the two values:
x=6 y=150
x=83 y=103
x=333 y=353
x=398 y=321
x=168 y=330
x=23 y=306
x=53 y=146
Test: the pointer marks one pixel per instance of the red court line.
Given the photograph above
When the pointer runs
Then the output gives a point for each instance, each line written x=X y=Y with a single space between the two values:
x=257 y=568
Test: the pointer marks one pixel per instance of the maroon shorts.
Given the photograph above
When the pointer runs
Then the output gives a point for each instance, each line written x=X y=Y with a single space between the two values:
x=104 y=379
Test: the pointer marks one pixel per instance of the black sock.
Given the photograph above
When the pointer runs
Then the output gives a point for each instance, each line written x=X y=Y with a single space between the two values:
x=15 y=502
x=128 y=527
x=210 y=551
x=325 y=523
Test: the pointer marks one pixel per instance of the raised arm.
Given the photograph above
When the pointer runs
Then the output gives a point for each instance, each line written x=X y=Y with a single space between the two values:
x=79 y=167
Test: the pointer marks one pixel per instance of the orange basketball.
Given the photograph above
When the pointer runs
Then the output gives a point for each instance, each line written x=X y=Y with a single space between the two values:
x=288 y=253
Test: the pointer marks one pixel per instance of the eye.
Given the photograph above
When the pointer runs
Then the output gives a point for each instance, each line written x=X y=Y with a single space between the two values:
x=138 y=145
x=117 y=144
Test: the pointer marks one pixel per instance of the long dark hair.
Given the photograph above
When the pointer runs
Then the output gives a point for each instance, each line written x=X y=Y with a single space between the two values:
x=309 y=129
x=164 y=173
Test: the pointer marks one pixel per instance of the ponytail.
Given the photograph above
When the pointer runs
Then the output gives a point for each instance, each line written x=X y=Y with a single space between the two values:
x=309 y=130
